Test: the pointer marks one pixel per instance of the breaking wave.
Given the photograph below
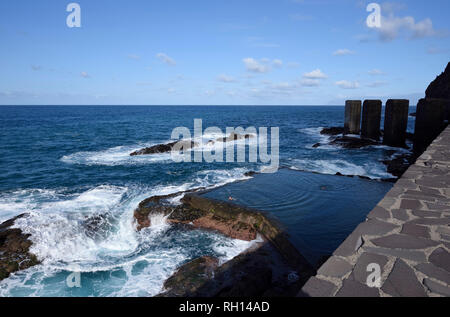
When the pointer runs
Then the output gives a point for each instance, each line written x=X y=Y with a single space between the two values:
x=93 y=232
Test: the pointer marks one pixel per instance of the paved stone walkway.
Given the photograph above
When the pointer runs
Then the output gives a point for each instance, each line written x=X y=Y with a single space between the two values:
x=407 y=235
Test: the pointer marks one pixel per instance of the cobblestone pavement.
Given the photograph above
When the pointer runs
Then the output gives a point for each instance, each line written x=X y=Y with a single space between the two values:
x=407 y=236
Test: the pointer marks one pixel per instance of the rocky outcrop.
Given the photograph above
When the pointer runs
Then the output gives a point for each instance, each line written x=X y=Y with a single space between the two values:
x=14 y=249
x=347 y=142
x=185 y=145
x=250 y=174
x=165 y=148
x=235 y=137
x=229 y=219
x=332 y=131
x=190 y=277
x=258 y=272
x=398 y=165
x=440 y=87
x=272 y=266
x=188 y=213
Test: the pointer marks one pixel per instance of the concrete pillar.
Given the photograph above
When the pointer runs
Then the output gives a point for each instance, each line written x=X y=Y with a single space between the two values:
x=371 y=119
x=352 y=117
x=430 y=118
x=396 y=122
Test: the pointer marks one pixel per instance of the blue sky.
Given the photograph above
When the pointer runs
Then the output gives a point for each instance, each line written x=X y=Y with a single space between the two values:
x=217 y=52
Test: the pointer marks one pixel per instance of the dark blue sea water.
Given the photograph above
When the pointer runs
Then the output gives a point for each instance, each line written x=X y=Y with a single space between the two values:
x=63 y=164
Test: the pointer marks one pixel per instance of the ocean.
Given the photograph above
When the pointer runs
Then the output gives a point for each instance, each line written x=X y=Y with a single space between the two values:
x=62 y=164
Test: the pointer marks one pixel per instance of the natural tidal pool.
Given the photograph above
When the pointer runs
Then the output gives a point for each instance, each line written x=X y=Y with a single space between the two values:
x=317 y=211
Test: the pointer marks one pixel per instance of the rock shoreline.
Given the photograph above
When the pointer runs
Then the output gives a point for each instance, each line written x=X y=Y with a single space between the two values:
x=396 y=165
x=269 y=267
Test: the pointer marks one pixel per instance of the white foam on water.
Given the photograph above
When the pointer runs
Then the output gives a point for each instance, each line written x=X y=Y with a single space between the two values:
x=218 y=178
x=321 y=138
x=56 y=223
x=398 y=150
x=14 y=203
x=331 y=167
x=159 y=221
x=232 y=248
x=119 y=155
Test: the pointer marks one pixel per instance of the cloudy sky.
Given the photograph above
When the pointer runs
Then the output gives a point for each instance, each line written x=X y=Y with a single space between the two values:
x=219 y=52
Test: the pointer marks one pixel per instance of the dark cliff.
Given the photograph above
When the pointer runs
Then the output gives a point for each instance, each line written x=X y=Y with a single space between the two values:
x=440 y=87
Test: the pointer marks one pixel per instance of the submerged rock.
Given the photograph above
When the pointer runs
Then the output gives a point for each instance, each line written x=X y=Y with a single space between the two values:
x=165 y=148
x=99 y=226
x=14 y=249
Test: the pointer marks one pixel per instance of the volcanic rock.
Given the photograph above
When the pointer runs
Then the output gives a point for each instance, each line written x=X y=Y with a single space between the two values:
x=332 y=131
x=165 y=148
x=440 y=87
x=347 y=142
x=14 y=249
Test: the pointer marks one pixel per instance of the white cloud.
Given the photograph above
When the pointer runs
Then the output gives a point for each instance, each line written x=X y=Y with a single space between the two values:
x=376 y=84
x=226 y=79
x=436 y=50
x=135 y=57
x=166 y=59
x=85 y=75
x=301 y=17
x=390 y=7
x=315 y=74
x=392 y=27
x=254 y=66
x=345 y=84
x=256 y=41
x=144 y=83
x=293 y=65
x=277 y=62
x=375 y=72
x=310 y=82
x=343 y=52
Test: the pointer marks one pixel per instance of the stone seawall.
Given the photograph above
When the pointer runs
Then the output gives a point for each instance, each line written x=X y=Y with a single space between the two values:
x=406 y=236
